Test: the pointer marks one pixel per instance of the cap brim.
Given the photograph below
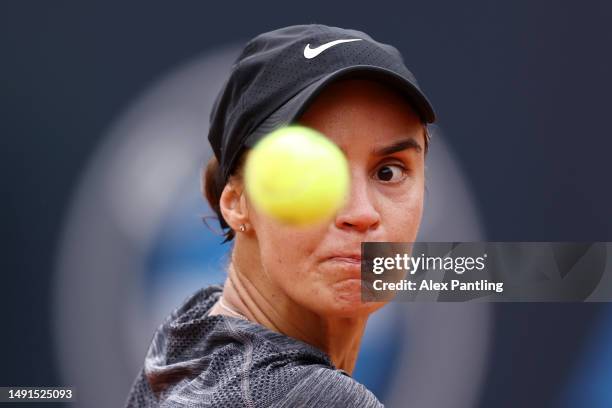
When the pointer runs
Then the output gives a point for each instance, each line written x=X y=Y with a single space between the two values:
x=291 y=110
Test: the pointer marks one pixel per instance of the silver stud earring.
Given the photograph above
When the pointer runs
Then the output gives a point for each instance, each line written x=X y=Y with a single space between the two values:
x=242 y=227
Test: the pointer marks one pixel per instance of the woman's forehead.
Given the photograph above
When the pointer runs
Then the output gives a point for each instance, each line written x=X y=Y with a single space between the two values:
x=362 y=112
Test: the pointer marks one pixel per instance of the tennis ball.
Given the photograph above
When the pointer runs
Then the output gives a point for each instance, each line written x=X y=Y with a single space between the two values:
x=297 y=176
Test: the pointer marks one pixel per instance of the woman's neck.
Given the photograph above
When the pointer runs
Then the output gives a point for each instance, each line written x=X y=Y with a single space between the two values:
x=248 y=291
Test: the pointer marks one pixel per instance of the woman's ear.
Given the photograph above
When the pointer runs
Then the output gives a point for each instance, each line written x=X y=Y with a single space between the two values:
x=233 y=205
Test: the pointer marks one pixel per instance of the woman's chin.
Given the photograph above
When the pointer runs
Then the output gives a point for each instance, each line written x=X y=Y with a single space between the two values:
x=347 y=299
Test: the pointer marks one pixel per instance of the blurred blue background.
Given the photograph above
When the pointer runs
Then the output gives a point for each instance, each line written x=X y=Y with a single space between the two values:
x=104 y=111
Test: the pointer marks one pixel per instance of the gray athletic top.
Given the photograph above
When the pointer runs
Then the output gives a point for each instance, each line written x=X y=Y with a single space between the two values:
x=196 y=360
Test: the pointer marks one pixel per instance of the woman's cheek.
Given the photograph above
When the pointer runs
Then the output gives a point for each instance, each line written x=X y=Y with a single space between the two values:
x=416 y=215
x=291 y=255
x=403 y=217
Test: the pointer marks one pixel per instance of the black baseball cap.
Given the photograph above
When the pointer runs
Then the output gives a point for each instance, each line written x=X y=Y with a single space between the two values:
x=279 y=73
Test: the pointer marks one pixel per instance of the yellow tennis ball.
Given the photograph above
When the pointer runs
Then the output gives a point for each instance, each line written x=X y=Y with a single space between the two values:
x=297 y=175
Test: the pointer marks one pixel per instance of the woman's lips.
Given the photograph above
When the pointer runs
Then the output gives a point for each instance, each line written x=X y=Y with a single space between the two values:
x=355 y=260
x=345 y=255
x=350 y=264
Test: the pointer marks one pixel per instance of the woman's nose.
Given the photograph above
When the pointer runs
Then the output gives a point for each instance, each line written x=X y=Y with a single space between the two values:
x=359 y=211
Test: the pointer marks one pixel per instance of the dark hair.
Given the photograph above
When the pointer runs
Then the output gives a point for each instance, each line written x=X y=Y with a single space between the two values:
x=212 y=188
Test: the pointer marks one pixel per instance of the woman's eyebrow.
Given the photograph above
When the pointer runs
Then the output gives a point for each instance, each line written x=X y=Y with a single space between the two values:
x=397 y=147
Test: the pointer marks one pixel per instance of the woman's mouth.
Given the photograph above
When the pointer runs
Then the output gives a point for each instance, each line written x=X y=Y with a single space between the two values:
x=346 y=256
x=352 y=260
x=350 y=264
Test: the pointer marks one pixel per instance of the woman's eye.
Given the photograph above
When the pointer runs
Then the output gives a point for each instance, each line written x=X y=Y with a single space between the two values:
x=390 y=173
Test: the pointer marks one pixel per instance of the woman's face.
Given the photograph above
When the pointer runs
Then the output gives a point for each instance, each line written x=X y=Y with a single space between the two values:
x=384 y=141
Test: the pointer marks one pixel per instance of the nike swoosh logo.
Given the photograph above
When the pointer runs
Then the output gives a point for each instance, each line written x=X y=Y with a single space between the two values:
x=310 y=53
